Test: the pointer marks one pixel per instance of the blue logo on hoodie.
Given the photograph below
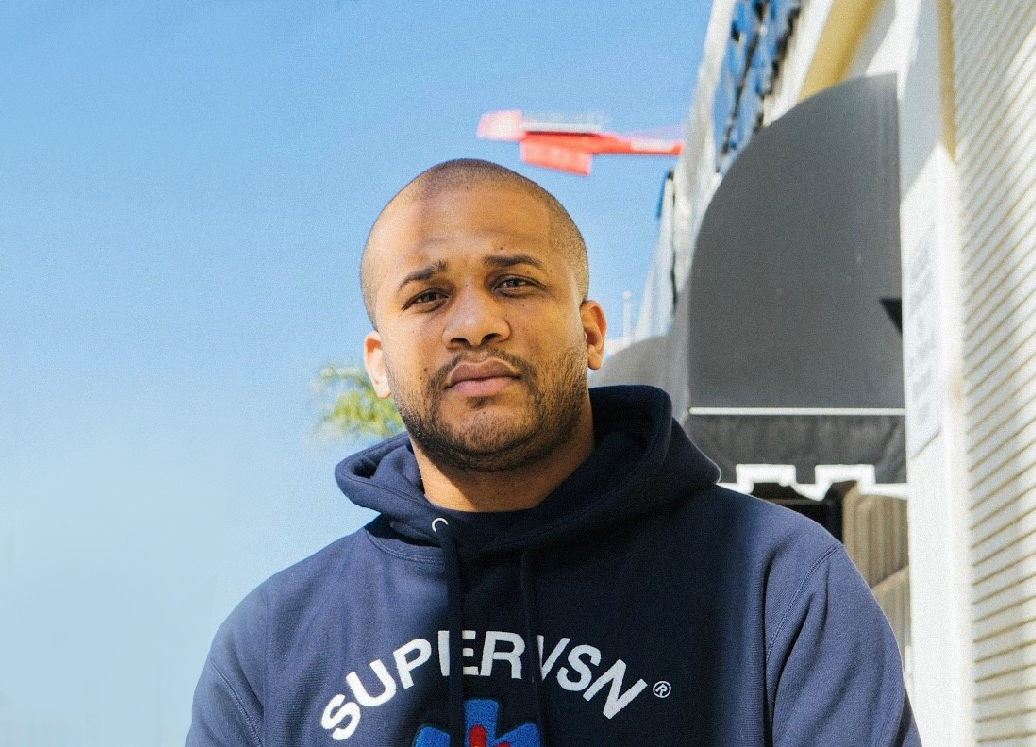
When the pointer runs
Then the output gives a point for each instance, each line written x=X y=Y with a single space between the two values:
x=480 y=730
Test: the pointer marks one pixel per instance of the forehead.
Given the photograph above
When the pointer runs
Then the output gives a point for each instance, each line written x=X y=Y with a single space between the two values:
x=436 y=225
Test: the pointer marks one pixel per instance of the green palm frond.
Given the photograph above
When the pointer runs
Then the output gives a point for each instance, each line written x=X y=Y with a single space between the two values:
x=351 y=408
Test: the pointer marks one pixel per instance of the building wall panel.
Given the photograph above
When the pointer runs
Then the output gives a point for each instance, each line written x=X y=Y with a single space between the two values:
x=992 y=282
x=997 y=515
x=1007 y=31
x=995 y=88
x=1005 y=190
x=994 y=675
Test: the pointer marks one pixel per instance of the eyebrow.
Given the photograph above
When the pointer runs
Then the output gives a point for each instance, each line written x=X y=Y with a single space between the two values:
x=425 y=273
x=509 y=260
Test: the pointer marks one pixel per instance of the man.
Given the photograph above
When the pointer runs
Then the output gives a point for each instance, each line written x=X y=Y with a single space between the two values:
x=552 y=565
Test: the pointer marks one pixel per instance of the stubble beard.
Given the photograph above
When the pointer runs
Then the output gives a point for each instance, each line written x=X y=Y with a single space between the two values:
x=484 y=443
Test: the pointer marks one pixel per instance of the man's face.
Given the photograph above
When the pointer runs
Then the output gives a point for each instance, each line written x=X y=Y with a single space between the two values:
x=482 y=340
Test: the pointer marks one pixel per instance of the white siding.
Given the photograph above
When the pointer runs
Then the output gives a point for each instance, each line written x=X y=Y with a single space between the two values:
x=995 y=82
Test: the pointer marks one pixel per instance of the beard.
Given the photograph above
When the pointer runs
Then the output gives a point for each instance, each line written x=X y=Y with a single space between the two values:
x=485 y=442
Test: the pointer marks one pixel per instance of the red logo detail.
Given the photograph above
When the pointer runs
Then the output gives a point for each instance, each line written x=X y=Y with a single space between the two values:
x=477 y=737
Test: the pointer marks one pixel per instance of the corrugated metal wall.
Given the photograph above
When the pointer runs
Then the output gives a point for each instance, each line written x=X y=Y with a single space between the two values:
x=995 y=82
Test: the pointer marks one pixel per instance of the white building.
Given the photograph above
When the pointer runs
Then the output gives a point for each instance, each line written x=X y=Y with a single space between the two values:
x=962 y=166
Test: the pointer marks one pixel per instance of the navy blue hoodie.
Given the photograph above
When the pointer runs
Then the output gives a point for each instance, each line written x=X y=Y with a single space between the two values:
x=639 y=604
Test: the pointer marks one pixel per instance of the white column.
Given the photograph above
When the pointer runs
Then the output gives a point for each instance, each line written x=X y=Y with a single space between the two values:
x=937 y=511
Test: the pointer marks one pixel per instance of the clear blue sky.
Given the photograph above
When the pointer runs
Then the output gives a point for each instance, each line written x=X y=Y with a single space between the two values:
x=184 y=191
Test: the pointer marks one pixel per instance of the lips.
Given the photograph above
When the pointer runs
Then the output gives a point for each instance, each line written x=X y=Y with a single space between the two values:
x=470 y=371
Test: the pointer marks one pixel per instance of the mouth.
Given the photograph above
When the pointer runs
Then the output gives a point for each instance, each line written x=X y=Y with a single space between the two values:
x=482 y=378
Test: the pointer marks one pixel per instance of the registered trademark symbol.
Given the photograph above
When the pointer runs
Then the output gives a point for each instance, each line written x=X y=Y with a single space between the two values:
x=662 y=689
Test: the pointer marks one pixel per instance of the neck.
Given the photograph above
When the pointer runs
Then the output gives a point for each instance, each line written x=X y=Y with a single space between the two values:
x=506 y=490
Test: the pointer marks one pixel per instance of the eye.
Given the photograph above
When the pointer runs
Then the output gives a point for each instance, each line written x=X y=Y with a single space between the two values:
x=515 y=283
x=426 y=298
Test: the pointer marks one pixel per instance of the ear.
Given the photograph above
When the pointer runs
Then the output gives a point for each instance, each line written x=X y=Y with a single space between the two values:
x=594 y=326
x=374 y=362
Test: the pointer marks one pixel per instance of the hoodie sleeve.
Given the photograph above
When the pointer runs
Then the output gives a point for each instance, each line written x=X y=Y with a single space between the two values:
x=228 y=701
x=834 y=673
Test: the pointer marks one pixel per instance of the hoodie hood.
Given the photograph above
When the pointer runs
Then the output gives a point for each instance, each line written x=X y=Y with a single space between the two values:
x=642 y=459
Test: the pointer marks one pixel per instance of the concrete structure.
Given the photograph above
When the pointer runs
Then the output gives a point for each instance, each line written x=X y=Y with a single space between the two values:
x=965 y=79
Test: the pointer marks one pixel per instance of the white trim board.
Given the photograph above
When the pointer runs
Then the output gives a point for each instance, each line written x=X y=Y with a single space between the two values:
x=805 y=411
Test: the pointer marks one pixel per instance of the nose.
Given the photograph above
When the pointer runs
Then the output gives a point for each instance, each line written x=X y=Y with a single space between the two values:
x=474 y=319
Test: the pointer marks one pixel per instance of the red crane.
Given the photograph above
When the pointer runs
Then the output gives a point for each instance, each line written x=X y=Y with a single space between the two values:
x=567 y=143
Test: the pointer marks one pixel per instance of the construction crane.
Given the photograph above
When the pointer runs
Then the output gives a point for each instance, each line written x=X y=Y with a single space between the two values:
x=566 y=142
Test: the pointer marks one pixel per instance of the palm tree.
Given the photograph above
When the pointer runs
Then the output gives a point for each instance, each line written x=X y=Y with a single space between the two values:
x=351 y=408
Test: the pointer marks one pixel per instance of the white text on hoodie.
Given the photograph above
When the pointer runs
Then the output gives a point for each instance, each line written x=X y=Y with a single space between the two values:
x=341 y=716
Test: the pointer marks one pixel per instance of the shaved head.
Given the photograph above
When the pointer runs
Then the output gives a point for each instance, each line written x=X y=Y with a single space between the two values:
x=471 y=174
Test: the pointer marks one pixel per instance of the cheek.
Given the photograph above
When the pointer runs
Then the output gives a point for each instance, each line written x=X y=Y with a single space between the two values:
x=408 y=356
x=575 y=335
x=557 y=345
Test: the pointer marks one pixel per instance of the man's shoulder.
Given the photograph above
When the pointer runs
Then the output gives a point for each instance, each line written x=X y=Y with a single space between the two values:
x=292 y=592
x=319 y=569
x=751 y=541
x=744 y=518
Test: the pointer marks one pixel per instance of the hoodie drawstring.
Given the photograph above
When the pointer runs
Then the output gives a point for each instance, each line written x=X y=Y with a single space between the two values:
x=455 y=603
x=525 y=576
x=455 y=623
